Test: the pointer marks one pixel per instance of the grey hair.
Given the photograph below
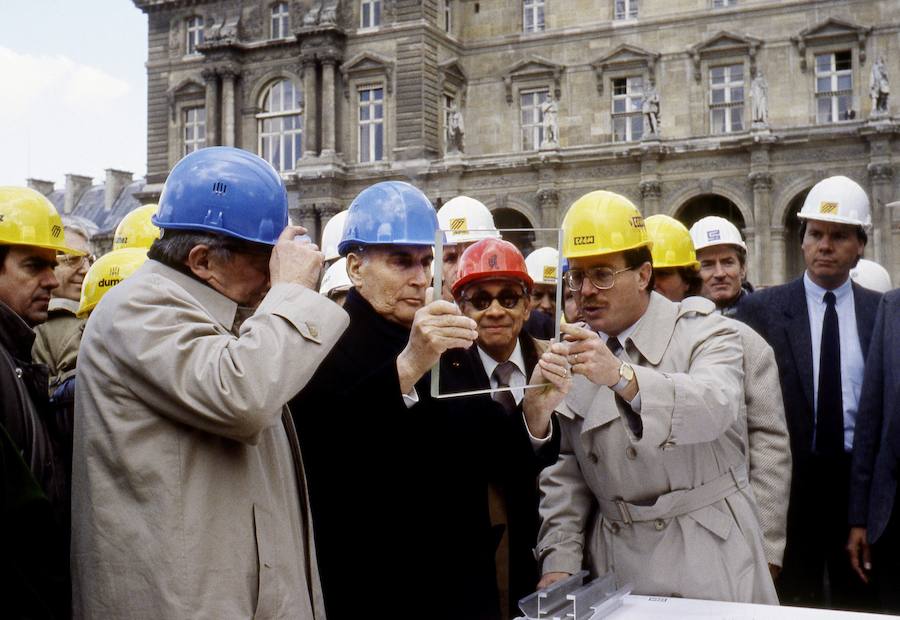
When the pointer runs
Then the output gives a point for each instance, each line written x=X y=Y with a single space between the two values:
x=173 y=246
x=78 y=229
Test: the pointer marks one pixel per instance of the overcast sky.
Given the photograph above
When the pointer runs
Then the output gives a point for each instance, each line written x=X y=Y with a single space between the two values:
x=74 y=89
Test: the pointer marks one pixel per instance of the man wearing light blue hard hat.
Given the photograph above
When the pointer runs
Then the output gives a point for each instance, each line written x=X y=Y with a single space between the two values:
x=398 y=478
x=189 y=497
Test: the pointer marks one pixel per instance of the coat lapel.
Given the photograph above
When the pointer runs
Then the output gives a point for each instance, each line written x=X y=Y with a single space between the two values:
x=797 y=327
x=866 y=306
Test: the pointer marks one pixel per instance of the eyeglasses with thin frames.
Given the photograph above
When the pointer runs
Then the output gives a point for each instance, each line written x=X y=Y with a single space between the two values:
x=73 y=260
x=602 y=278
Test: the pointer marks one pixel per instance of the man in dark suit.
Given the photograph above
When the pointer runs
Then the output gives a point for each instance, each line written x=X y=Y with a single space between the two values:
x=874 y=543
x=820 y=326
x=493 y=289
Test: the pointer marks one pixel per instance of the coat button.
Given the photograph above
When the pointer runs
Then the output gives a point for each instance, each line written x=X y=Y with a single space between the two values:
x=660 y=525
x=615 y=528
x=594 y=458
x=631 y=453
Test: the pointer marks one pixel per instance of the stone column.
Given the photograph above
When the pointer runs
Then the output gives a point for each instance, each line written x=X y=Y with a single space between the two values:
x=881 y=177
x=548 y=204
x=228 y=128
x=779 y=260
x=211 y=77
x=310 y=112
x=761 y=259
x=329 y=64
x=326 y=211
x=650 y=193
x=307 y=214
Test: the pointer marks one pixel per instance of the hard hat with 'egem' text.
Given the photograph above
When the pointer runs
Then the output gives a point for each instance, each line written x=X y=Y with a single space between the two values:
x=602 y=222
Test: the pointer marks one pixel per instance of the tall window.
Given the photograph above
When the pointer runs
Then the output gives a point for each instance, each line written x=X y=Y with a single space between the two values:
x=371 y=124
x=533 y=15
x=626 y=9
x=369 y=13
x=194 y=34
x=726 y=98
x=627 y=120
x=280 y=125
x=532 y=119
x=719 y=4
x=834 y=87
x=448 y=16
x=194 y=121
x=281 y=20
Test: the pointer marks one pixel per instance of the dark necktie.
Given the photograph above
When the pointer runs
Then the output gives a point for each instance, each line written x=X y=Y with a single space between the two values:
x=634 y=420
x=501 y=374
x=614 y=345
x=829 y=404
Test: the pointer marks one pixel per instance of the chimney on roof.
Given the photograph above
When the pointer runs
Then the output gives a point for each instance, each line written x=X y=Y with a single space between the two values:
x=76 y=185
x=116 y=181
x=44 y=187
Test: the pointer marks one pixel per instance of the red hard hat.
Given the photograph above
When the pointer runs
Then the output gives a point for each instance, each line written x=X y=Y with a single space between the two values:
x=490 y=259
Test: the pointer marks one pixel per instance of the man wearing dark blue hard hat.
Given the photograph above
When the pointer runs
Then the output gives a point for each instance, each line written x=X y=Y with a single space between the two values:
x=189 y=496
x=399 y=479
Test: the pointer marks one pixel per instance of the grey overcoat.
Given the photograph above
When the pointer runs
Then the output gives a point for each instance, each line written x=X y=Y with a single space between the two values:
x=189 y=498
x=661 y=498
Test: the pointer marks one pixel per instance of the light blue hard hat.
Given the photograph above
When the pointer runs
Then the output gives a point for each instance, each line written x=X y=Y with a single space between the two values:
x=389 y=213
x=224 y=190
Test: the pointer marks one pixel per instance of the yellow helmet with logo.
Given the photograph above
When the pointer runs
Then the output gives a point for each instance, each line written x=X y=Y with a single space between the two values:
x=109 y=270
x=603 y=222
x=136 y=230
x=672 y=245
x=28 y=218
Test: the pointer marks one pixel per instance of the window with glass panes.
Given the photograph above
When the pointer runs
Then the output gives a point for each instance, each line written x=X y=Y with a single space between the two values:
x=834 y=87
x=371 y=124
x=726 y=98
x=194 y=122
x=369 y=13
x=626 y=9
x=194 y=34
x=532 y=118
x=281 y=21
x=627 y=120
x=718 y=4
x=533 y=15
x=280 y=125
x=448 y=16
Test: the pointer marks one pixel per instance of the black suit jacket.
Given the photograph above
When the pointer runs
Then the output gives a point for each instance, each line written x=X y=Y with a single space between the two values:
x=781 y=316
x=876 y=444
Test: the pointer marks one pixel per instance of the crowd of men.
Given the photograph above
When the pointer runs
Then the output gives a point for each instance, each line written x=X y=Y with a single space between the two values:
x=218 y=419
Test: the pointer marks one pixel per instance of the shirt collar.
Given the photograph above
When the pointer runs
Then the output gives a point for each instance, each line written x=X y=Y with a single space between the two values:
x=219 y=307
x=816 y=293
x=624 y=334
x=63 y=304
x=515 y=357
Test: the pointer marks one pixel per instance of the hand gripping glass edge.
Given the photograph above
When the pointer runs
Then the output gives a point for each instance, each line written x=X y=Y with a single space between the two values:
x=437 y=282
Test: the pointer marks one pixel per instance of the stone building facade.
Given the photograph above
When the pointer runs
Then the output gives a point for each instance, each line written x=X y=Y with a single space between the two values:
x=339 y=94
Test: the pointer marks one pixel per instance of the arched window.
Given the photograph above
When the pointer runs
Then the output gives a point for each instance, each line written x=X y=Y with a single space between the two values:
x=280 y=125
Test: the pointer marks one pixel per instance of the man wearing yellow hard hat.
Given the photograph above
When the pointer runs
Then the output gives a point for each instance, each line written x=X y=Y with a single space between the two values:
x=651 y=480
x=34 y=554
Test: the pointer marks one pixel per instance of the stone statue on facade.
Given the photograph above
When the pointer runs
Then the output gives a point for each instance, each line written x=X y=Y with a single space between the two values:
x=650 y=110
x=879 y=88
x=455 y=130
x=759 y=100
x=550 y=121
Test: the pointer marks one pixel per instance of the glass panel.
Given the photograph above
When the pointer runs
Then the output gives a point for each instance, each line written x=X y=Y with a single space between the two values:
x=823 y=105
x=843 y=61
x=737 y=94
x=364 y=143
x=844 y=82
x=619 y=86
x=618 y=106
x=364 y=113
x=637 y=127
x=378 y=93
x=288 y=155
x=633 y=11
x=619 y=125
x=379 y=110
x=620 y=9
x=540 y=18
x=379 y=142
x=365 y=20
x=377 y=13
x=718 y=121
x=823 y=63
x=823 y=84
x=718 y=95
x=364 y=95
x=737 y=73
x=298 y=145
x=201 y=131
x=717 y=75
x=844 y=108
x=266 y=149
x=737 y=119
x=276 y=154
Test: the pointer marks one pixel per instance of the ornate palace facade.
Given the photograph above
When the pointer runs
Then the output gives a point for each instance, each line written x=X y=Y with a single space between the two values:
x=527 y=104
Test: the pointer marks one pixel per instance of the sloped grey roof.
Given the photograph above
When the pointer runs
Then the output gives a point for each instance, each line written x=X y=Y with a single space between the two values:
x=91 y=205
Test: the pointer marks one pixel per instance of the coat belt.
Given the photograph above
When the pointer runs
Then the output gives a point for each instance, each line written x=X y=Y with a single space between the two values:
x=676 y=503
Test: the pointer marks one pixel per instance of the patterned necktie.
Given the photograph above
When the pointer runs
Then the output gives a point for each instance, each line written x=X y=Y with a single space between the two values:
x=614 y=345
x=829 y=403
x=501 y=375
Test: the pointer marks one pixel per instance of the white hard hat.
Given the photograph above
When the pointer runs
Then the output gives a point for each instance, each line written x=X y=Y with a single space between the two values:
x=715 y=230
x=465 y=220
x=542 y=265
x=332 y=234
x=871 y=275
x=335 y=278
x=837 y=199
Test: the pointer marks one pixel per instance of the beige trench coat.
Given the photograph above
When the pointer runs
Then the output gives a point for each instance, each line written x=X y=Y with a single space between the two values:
x=768 y=446
x=669 y=511
x=188 y=498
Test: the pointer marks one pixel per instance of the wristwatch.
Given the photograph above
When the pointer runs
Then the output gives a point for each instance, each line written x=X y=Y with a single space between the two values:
x=626 y=374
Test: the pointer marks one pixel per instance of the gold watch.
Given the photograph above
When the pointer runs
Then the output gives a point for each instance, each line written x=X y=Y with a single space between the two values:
x=626 y=374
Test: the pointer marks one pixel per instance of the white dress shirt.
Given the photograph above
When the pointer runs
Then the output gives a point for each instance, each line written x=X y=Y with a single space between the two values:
x=852 y=361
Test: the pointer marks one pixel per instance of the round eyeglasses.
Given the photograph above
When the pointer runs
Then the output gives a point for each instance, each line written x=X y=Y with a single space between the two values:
x=602 y=278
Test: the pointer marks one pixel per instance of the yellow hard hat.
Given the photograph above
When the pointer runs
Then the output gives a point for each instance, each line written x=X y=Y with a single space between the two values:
x=109 y=270
x=672 y=245
x=602 y=223
x=28 y=218
x=136 y=230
